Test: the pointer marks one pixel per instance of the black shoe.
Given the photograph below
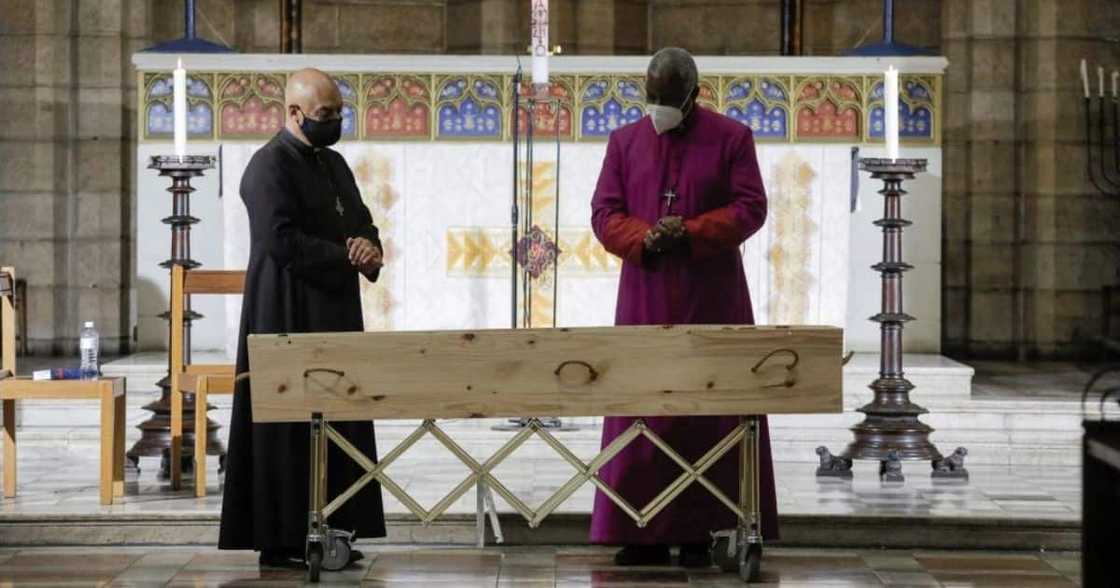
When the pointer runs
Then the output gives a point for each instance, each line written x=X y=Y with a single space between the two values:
x=355 y=557
x=643 y=555
x=280 y=560
x=696 y=555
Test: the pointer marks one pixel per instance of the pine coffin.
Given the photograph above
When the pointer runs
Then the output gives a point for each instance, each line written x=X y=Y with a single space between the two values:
x=610 y=371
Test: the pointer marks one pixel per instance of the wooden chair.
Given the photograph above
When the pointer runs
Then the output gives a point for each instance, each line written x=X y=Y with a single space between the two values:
x=8 y=369
x=198 y=379
x=109 y=391
x=7 y=322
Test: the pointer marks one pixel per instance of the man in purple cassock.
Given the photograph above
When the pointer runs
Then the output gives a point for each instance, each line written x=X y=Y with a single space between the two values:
x=678 y=194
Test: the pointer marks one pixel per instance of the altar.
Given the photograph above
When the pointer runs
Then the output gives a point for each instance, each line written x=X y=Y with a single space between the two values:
x=428 y=138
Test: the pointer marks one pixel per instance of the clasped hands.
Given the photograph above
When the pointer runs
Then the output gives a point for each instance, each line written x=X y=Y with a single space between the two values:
x=363 y=254
x=668 y=234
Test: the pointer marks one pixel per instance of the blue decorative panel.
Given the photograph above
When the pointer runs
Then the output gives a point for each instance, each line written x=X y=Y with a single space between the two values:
x=159 y=120
x=915 y=110
x=631 y=90
x=349 y=121
x=609 y=103
x=760 y=103
x=916 y=124
x=469 y=107
x=347 y=87
x=765 y=123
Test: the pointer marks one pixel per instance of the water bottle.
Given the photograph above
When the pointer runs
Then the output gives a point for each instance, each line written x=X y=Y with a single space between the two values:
x=89 y=343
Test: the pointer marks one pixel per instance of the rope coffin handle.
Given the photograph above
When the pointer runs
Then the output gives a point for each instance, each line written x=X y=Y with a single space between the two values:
x=350 y=390
x=592 y=374
x=308 y=372
x=791 y=377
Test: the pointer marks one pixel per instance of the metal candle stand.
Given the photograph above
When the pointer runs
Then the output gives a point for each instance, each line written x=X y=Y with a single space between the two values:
x=155 y=439
x=891 y=431
x=1105 y=177
x=522 y=224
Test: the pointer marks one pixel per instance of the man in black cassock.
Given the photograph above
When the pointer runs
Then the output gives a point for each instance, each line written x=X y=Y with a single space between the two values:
x=311 y=241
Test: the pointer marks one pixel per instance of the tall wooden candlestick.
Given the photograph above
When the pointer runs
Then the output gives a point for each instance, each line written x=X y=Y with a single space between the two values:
x=891 y=431
x=155 y=439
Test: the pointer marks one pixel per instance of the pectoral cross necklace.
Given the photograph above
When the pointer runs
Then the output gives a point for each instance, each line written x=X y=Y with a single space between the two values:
x=669 y=197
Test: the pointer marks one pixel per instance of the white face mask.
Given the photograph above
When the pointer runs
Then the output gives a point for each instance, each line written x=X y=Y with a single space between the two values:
x=665 y=118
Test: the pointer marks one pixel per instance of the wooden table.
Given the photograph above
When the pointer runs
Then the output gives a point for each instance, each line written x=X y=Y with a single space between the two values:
x=111 y=393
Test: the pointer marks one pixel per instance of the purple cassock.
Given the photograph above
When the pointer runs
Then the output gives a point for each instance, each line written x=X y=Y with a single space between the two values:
x=705 y=171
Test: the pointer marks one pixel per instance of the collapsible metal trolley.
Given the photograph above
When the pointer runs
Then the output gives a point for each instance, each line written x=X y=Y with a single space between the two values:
x=652 y=371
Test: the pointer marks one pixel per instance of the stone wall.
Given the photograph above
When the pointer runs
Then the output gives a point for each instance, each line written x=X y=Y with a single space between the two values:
x=1027 y=241
x=66 y=162
x=584 y=27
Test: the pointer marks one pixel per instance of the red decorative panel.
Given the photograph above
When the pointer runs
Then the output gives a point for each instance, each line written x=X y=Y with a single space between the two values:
x=250 y=105
x=397 y=107
x=547 y=118
x=828 y=108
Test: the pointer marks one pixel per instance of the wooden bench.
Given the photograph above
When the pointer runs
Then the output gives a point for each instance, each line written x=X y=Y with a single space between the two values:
x=198 y=379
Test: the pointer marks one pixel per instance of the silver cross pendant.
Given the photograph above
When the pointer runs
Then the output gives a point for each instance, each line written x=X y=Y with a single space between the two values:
x=669 y=197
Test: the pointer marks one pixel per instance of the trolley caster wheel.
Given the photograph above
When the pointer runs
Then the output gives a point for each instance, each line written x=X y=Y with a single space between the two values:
x=724 y=559
x=748 y=568
x=314 y=562
x=336 y=554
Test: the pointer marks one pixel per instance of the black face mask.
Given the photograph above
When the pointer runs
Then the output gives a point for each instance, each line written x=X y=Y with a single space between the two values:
x=321 y=133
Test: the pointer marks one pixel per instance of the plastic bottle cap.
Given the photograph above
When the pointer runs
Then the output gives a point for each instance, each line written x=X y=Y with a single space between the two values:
x=89 y=324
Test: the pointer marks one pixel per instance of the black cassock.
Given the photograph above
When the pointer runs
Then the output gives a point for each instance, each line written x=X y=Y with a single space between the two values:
x=303 y=204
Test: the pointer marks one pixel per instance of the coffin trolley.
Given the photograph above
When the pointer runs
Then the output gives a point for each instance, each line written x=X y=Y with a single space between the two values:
x=616 y=371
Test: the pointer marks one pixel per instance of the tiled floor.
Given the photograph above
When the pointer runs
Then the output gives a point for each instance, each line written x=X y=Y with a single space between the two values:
x=532 y=567
x=64 y=481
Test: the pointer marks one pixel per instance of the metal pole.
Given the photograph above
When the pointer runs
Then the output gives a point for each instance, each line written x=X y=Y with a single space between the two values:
x=888 y=21
x=527 y=286
x=297 y=26
x=285 y=26
x=787 y=17
x=188 y=19
x=514 y=216
x=556 y=225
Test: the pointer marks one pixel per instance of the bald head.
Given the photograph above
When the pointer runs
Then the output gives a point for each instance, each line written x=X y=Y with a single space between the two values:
x=313 y=94
x=672 y=78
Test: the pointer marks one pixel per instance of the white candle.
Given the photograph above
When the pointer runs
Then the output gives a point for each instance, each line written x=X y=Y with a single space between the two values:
x=539 y=17
x=1100 y=81
x=890 y=112
x=180 y=112
x=1085 y=76
x=1115 y=76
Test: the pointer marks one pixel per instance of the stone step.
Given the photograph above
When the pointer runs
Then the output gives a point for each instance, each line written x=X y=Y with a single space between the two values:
x=178 y=528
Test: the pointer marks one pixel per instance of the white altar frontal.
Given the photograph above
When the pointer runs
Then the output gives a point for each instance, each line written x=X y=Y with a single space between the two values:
x=429 y=140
